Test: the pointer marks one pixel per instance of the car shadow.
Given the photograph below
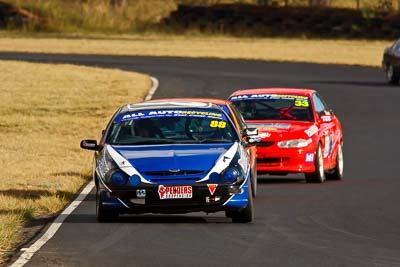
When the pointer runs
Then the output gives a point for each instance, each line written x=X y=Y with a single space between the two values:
x=265 y=179
x=150 y=219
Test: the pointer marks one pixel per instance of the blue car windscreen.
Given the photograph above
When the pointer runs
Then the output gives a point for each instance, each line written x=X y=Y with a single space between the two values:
x=167 y=126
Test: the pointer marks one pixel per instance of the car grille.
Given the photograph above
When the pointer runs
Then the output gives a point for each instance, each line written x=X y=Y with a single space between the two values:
x=266 y=143
x=272 y=160
x=173 y=173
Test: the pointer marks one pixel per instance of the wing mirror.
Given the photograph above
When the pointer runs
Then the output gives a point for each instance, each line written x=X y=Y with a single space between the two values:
x=250 y=132
x=252 y=137
x=89 y=144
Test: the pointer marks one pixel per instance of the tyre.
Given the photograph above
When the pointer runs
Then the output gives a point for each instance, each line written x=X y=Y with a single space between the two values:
x=103 y=215
x=391 y=76
x=244 y=215
x=254 y=180
x=318 y=176
x=337 y=172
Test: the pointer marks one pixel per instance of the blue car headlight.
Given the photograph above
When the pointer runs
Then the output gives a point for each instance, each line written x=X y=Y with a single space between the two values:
x=118 y=178
x=231 y=175
x=134 y=180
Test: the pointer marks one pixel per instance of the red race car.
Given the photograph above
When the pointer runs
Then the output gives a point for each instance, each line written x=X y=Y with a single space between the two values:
x=298 y=132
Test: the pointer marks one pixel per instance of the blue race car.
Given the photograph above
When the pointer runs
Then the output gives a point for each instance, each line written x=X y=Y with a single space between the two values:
x=171 y=158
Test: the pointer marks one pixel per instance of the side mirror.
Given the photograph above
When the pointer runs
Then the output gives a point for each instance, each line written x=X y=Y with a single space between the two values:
x=252 y=137
x=89 y=144
x=250 y=132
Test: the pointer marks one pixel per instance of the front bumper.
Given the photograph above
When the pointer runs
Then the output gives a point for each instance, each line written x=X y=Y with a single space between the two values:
x=276 y=160
x=146 y=199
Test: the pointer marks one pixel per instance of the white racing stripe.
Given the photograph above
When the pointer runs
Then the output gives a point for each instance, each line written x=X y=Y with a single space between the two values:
x=53 y=228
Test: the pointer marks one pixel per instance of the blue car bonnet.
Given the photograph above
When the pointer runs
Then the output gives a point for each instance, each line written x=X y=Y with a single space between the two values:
x=173 y=160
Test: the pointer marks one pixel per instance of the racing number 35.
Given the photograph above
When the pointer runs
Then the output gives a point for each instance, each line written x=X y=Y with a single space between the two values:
x=219 y=124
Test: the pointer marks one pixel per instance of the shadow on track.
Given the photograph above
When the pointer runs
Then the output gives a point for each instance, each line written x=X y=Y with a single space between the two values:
x=150 y=219
x=279 y=180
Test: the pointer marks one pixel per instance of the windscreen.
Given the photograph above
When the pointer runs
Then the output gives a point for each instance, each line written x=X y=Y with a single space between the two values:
x=274 y=107
x=171 y=126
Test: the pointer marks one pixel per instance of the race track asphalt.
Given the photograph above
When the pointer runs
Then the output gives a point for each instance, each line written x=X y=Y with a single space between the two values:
x=354 y=222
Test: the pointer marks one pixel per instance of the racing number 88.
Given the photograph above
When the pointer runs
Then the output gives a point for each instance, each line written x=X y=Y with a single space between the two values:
x=301 y=103
x=219 y=124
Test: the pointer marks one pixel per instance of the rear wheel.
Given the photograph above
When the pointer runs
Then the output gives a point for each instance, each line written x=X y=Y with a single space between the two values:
x=391 y=76
x=318 y=176
x=337 y=172
x=102 y=214
x=244 y=215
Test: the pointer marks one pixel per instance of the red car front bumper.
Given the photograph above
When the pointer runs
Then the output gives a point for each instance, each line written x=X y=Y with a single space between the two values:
x=275 y=160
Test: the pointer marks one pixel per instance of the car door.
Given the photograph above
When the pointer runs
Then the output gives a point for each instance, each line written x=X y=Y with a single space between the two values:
x=328 y=130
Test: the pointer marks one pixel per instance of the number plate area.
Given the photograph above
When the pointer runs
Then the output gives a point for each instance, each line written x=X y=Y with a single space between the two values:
x=175 y=192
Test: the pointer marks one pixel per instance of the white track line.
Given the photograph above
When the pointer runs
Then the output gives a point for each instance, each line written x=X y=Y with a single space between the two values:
x=53 y=228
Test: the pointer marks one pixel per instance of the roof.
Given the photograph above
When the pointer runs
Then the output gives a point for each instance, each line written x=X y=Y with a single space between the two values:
x=165 y=105
x=183 y=100
x=294 y=91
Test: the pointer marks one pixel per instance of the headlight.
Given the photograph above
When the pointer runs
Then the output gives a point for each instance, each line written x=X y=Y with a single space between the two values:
x=118 y=178
x=105 y=164
x=134 y=180
x=231 y=175
x=295 y=143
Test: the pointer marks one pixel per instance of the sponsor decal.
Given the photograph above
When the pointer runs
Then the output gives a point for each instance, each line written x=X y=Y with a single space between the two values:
x=264 y=135
x=212 y=199
x=225 y=158
x=311 y=131
x=172 y=113
x=269 y=126
x=141 y=193
x=328 y=145
x=326 y=118
x=309 y=157
x=174 y=192
x=267 y=96
x=212 y=188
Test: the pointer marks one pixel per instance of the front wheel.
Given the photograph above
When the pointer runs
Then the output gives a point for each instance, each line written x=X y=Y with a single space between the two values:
x=337 y=172
x=391 y=76
x=318 y=176
x=102 y=214
x=254 y=179
x=244 y=215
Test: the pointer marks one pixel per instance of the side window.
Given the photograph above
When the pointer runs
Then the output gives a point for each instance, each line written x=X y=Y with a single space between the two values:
x=238 y=115
x=319 y=104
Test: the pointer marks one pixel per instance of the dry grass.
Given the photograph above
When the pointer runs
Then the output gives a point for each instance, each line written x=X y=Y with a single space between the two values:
x=45 y=111
x=95 y=15
x=350 y=52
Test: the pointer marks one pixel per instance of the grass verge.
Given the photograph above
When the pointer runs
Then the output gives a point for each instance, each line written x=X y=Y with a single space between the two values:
x=45 y=111
x=349 y=52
